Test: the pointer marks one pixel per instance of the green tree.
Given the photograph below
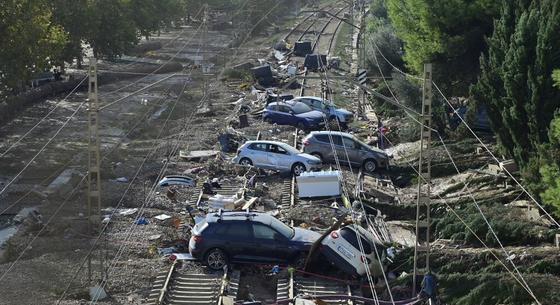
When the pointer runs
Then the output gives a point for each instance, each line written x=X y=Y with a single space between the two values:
x=72 y=16
x=29 y=41
x=515 y=82
x=516 y=86
x=112 y=30
x=556 y=77
x=550 y=171
x=448 y=33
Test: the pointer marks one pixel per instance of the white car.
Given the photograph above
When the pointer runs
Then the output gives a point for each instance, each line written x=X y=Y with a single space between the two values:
x=342 y=249
x=177 y=180
x=276 y=156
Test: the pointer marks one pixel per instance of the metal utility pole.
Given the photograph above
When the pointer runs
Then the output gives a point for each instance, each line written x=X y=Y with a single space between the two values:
x=94 y=176
x=424 y=173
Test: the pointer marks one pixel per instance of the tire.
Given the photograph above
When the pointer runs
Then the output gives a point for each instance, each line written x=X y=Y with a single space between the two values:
x=267 y=120
x=216 y=259
x=246 y=162
x=298 y=169
x=370 y=166
x=301 y=126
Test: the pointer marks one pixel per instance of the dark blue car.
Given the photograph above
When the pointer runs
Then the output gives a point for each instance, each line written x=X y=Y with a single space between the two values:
x=235 y=236
x=295 y=114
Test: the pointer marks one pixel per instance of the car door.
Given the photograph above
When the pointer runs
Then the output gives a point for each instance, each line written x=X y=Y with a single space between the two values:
x=271 y=245
x=258 y=153
x=352 y=148
x=238 y=241
x=277 y=115
x=288 y=116
x=279 y=158
x=337 y=146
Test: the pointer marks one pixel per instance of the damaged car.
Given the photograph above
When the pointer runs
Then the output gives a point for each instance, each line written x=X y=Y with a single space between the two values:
x=295 y=114
x=334 y=114
x=342 y=248
x=248 y=237
x=330 y=146
x=276 y=156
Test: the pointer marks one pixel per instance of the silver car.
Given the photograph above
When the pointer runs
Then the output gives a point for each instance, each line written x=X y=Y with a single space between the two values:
x=332 y=112
x=276 y=156
x=324 y=144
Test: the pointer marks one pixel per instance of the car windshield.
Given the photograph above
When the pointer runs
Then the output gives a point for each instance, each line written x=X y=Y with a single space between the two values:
x=361 y=143
x=299 y=108
x=284 y=229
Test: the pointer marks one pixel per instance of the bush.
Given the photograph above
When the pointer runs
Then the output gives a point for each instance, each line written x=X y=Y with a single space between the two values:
x=511 y=228
x=389 y=45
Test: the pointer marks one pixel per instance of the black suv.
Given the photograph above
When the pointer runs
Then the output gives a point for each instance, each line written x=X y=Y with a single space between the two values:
x=235 y=236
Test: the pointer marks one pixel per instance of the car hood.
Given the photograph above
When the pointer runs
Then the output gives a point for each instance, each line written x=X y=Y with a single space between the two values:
x=309 y=157
x=305 y=236
x=314 y=114
x=343 y=111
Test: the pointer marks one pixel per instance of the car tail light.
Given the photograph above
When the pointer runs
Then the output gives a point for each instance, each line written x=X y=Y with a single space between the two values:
x=173 y=257
x=306 y=142
x=334 y=234
x=197 y=238
x=365 y=259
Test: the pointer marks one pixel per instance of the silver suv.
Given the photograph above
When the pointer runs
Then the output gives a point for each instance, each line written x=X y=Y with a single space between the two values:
x=318 y=143
x=276 y=156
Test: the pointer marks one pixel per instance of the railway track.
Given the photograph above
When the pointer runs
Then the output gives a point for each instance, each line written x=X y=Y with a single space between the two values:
x=292 y=287
x=175 y=287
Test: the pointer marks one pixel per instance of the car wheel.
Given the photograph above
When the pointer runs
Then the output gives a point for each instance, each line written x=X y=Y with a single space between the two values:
x=370 y=166
x=216 y=259
x=246 y=162
x=267 y=120
x=300 y=126
x=298 y=169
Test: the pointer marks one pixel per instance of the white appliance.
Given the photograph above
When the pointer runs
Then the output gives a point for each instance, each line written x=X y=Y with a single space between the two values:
x=319 y=184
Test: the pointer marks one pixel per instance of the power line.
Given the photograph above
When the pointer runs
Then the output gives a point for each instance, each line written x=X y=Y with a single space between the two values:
x=472 y=132
x=59 y=208
x=42 y=148
x=42 y=119
x=527 y=288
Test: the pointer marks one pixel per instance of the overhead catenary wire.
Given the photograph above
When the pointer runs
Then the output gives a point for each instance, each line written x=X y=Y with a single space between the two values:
x=115 y=209
x=524 y=284
x=506 y=253
x=62 y=204
x=82 y=81
x=42 y=148
x=463 y=121
x=119 y=253
x=526 y=288
x=43 y=118
x=359 y=198
x=73 y=114
x=59 y=208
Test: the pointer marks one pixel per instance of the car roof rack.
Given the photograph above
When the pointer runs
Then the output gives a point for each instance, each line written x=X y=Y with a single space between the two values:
x=247 y=213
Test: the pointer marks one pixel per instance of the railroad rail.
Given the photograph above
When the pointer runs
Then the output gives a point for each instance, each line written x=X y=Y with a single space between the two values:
x=292 y=286
x=175 y=287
